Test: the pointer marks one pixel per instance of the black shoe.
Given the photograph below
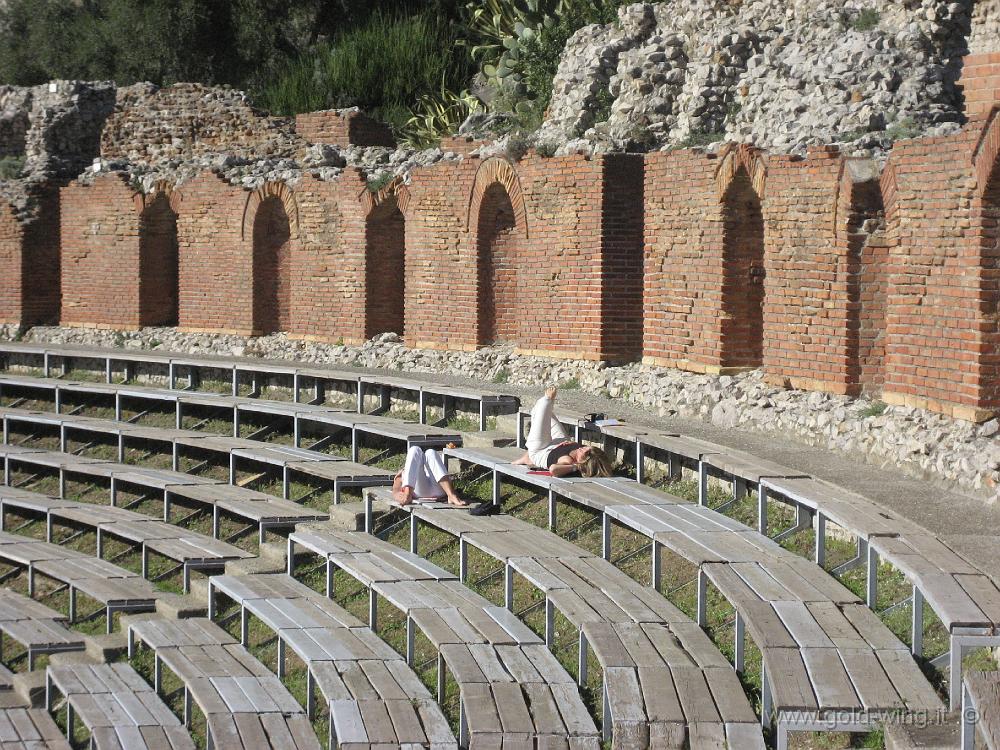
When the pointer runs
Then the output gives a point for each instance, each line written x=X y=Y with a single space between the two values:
x=485 y=509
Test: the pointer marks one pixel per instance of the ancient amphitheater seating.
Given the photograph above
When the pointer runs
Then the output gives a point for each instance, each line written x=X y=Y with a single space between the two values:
x=116 y=589
x=239 y=369
x=256 y=508
x=511 y=688
x=981 y=710
x=118 y=708
x=190 y=549
x=662 y=675
x=244 y=704
x=373 y=696
x=824 y=653
x=23 y=728
x=356 y=425
x=293 y=463
x=37 y=628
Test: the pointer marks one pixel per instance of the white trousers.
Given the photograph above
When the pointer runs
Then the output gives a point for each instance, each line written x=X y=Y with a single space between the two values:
x=423 y=471
x=545 y=433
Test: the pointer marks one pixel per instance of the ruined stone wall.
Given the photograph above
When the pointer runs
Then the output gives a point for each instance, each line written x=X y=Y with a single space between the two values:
x=822 y=271
x=343 y=127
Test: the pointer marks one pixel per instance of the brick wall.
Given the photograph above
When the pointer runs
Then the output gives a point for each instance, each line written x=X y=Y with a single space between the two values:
x=822 y=270
x=980 y=82
x=343 y=128
x=100 y=253
x=941 y=300
x=29 y=260
x=385 y=269
x=216 y=264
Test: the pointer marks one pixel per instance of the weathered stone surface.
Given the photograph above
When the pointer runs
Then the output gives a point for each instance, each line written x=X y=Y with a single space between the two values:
x=780 y=75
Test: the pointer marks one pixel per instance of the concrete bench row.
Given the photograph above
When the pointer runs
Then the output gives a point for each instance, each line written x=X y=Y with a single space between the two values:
x=257 y=509
x=827 y=659
x=292 y=463
x=23 y=728
x=48 y=359
x=190 y=549
x=38 y=628
x=118 y=708
x=331 y=421
x=116 y=589
x=663 y=679
x=374 y=698
x=244 y=704
x=512 y=690
x=981 y=710
x=963 y=597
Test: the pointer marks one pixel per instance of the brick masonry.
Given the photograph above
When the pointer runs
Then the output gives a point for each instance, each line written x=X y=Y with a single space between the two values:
x=821 y=270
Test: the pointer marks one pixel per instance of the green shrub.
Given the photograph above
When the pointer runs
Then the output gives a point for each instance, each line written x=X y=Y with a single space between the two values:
x=905 y=128
x=502 y=376
x=383 y=66
x=546 y=149
x=11 y=167
x=866 y=20
x=697 y=138
x=375 y=184
x=875 y=409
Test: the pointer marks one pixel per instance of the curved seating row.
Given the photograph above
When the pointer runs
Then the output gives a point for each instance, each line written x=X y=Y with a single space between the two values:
x=116 y=589
x=662 y=676
x=981 y=710
x=826 y=657
x=23 y=728
x=512 y=690
x=965 y=598
x=373 y=696
x=190 y=549
x=255 y=508
x=938 y=574
x=118 y=708
x=244 y=704
x=47 y=356
x=299 y=414
x=292 y=462
x=38 y=628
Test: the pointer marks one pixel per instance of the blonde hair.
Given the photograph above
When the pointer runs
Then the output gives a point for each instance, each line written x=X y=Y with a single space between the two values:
x=596 y=464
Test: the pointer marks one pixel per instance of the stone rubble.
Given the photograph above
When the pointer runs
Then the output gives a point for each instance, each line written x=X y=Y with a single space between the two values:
x=922 y=443
x=780 y=74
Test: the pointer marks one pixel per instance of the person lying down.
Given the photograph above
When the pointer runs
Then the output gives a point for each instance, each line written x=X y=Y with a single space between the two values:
x=549 y=446
x=424 y=476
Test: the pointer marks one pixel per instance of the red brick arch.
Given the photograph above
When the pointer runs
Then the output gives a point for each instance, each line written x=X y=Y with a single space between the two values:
x=741 y=181
x=385 y=258
x=271 y=225
x=746 y=157
x=159 y=255
x=396 y=189
x=492 y=172
x=278 y=190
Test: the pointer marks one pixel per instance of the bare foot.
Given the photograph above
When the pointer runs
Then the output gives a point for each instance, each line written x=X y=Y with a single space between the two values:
x=524 y=460
x=457 y=501
x=406 y=496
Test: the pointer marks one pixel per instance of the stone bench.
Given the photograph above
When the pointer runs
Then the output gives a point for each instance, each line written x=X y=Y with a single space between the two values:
x=255 y=508
x=29 y=729
x=118 y=708
x=486 y=400
x=116 y=589
x=511 y=688
x=36 y=627
x=244 y=704
x=292 y=462
x=654 y=659
x=373 y=696
x=192 y=550
x=357 y=425
x=825 y=655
